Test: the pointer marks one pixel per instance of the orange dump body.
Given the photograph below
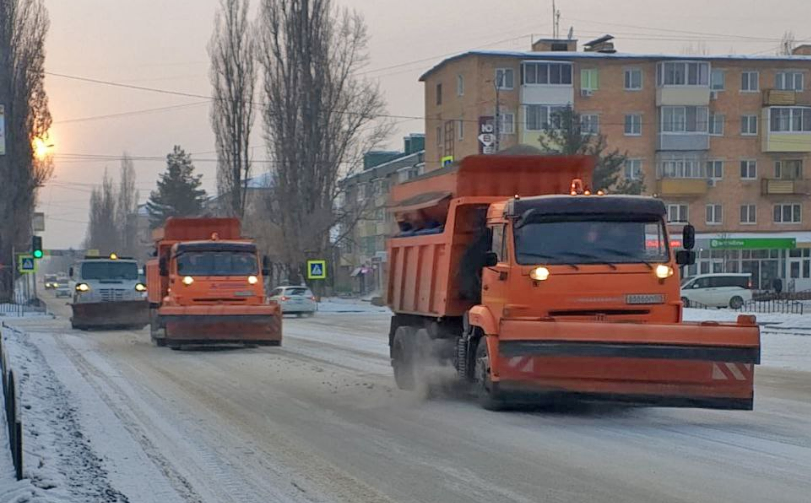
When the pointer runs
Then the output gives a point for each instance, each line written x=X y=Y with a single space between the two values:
x=206 y=286
x=590 y=328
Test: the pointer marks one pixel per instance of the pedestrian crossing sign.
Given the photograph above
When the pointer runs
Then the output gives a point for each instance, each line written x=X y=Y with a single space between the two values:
x=26 y=264
x=316 y=269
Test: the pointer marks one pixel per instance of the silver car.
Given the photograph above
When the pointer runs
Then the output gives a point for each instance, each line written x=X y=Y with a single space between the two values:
x=298 y=300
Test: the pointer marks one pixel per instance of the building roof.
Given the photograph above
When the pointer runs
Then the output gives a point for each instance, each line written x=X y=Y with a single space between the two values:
x=571 y=55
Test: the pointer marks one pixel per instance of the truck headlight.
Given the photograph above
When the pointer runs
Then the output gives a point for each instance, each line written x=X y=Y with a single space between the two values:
x=140 y=287
x=253 y=280
x=188 y=280
x=539 y=274
x=82 y=287
x=663 y=271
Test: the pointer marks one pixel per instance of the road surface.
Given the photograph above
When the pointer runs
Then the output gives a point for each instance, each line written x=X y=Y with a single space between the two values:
x=319 y=420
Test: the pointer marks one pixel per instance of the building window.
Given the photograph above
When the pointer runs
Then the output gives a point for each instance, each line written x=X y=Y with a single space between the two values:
x=749 y=125
x=506 y=123
x=715 y=169
x=633 y=79
x=788 y=169
x=589 y=124
x=558 y=74
x=633 y=124
x=460 y=85
x=683 y=73
x=684 y=119
x=717 y=124
x=589 y=79
x=460 y=129
x=789 y=119
x=633 y=169
x=543 y=117
x=439 y=135
x=677 y=213
x=748 y=169
x=681 y=168
x=748 y=214
x=715 y=214
x=439 y=94
x=788 y=213
x=750 y=82
x=717 y=80
x=788 y=81
x=505 y=79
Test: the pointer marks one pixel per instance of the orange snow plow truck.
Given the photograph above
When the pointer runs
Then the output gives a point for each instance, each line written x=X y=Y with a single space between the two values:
x=206 y=286
x=538 y=290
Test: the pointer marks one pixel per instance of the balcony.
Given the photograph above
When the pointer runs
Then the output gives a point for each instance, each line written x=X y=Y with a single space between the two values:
x=786 y=142
x=698 y=96
x=779 y=187
x=777 y=97
x=667 y=187
x=683 y=141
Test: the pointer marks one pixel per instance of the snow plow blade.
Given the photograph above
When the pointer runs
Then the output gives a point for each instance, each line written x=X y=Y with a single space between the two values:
x=122 y=314
x=705 y=365
x=202 y=325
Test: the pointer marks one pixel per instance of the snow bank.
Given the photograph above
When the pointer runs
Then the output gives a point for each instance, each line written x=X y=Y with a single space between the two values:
x=335 y=305
x=58 y=461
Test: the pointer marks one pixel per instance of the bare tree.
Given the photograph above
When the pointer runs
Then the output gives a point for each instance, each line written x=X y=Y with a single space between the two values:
x=319 y=117
x=102 y=231
x=233 y=77
x=787 y=44
x=23 y=27
x=126 y=206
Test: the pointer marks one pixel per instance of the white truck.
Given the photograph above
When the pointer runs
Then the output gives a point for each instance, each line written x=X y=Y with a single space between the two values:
x=108 y=293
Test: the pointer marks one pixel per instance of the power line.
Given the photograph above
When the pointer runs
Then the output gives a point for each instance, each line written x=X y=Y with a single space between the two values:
x=131 y=113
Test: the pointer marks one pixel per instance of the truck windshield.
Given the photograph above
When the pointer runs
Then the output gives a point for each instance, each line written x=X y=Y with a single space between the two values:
x=214 y=263
x=110 y=270
x=588 y=240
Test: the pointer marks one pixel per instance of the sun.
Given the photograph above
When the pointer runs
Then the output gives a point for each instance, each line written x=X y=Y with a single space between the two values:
x=41 y=148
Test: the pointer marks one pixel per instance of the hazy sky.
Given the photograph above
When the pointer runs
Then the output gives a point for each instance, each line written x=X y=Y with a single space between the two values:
x=162 y=44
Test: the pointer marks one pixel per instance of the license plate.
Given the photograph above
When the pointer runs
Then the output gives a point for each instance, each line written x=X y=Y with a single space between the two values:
x=244 y=293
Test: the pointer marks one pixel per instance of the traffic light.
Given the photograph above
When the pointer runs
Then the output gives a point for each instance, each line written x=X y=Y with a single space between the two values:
x=36 y=246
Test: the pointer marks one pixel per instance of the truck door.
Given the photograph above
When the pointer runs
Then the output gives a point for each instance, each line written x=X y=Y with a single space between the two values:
x=495 y=279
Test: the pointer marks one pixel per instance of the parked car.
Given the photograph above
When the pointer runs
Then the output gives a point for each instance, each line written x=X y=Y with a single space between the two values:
x=297 y=300
x=717 y=290
x=50 y=282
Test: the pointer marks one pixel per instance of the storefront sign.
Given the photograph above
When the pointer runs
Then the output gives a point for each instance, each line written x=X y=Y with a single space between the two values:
x=753 y=244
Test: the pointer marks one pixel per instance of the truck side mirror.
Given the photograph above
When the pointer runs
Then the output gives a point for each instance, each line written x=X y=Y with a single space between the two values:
x=685 y=257
x=265 y=266
x=163 y=266
x=688 y=238
x=490 y=259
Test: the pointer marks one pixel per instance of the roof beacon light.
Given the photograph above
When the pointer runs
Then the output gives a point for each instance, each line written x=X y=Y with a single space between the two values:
x=215 y=236
x=113 y=256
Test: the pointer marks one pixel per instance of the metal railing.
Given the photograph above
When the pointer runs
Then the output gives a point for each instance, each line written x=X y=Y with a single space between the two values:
x=12 y=408
x=761 y=306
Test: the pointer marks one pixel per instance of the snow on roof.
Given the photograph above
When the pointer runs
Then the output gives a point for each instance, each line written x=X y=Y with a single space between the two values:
x=570 y=55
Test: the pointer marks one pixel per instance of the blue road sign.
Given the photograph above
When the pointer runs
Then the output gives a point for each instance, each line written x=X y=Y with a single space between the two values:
x=316 y=269
x=26 y=264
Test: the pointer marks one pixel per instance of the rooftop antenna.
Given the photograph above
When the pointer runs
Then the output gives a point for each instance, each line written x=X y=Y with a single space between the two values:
x=555 y=21
x=571 y=32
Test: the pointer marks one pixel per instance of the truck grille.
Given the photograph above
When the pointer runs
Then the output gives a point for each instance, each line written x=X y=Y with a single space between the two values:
x=111 y=294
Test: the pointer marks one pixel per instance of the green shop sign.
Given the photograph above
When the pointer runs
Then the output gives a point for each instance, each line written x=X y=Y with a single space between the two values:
x=753 y=244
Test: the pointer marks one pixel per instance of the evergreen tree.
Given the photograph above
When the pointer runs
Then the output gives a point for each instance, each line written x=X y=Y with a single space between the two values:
x=179 y=193
x=567 y=135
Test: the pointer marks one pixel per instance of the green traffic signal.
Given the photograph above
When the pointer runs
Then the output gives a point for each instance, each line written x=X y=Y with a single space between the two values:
x=36 y=246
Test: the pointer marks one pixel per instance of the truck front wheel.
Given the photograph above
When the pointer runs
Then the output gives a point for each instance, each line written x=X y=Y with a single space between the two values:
x=488 y=397
x=403 y=358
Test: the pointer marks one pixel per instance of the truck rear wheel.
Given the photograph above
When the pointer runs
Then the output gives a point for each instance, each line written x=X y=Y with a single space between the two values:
x=404 y=357
x=487 y=396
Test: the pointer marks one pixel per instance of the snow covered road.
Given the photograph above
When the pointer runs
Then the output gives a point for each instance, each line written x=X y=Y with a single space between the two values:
x=319 y=420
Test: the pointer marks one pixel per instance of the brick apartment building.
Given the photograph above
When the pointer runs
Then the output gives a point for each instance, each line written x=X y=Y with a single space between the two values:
x=725 y=141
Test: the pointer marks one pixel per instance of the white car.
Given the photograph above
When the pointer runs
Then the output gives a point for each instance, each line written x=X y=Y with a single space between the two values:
x=298 y=300
x=63 y=290
x=717 y=290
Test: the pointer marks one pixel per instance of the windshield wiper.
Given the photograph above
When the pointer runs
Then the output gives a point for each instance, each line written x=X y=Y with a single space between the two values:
x=549 y=257
x=623 y=253
x=594 y=257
